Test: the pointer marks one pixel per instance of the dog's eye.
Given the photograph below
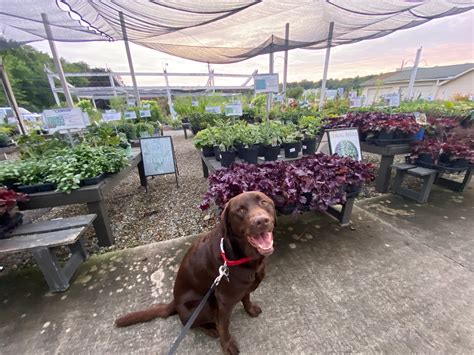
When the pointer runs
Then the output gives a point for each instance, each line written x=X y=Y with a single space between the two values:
x=241 y=210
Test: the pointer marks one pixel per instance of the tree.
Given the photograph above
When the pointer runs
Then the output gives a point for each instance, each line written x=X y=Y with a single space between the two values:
x=295 y=93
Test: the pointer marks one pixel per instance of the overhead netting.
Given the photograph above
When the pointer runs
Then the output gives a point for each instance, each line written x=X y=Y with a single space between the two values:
x=220 y=31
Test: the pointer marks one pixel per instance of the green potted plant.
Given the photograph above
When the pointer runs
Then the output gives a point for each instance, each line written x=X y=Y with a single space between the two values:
x=5 y=140
x=226 y=144
x=144 y=129
x=205 y=140
x=291 y=141
x=311 y=127
x=251 y=143
x=271 y=136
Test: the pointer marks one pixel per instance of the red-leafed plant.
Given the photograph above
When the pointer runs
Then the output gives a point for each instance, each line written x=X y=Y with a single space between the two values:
x=313 y=182
x=374 y=122
x=449 y=150
x=9 y=199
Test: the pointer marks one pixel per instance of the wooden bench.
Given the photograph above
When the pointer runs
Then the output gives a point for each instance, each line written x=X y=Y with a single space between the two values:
x=427 y=175
x=41 y=238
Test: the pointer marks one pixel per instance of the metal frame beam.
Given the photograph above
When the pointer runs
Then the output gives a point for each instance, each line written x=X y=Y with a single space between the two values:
x=326 y=66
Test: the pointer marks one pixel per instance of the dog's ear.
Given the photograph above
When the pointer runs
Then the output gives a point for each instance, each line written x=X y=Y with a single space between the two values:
x=225 y=220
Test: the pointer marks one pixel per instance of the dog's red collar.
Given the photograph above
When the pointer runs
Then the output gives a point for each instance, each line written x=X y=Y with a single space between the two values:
x=232 y=262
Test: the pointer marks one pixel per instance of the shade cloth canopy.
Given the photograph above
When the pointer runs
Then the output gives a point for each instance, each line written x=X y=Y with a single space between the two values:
x=220 y=31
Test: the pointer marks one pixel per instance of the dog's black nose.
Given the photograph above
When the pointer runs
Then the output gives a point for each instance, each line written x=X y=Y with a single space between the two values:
x=261 y=221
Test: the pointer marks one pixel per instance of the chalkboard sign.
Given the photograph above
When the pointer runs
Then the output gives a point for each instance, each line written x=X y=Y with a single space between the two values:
x=158 y=156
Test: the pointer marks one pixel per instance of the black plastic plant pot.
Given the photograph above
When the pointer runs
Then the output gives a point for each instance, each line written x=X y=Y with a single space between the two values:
x=227 y=158
x=26 y=189
x=217 y=153
x=271 y=152
x=49 y=186
x=426 y=158
x=240 y=148
x=292 y=149
x=460 y=163
x=286 y=210
x=250 y=155
x=308 y=146
x=8 y=222
x=92 y=180
x=208 y=151
x=261 y=150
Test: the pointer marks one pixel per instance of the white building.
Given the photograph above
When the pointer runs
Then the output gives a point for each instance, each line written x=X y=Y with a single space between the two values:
x=435 y=83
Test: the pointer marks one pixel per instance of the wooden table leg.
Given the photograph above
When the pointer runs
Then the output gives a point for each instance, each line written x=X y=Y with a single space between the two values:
x=101 y=223
x=382 y=180
x=205 y=169
x=51 y=269
x=141 y=173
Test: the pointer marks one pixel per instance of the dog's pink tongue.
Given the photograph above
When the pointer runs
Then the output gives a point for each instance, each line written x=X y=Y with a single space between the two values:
x=265 y=240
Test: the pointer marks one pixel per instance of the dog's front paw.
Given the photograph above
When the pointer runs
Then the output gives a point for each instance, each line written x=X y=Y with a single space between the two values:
x=253 y=310
x=231 y=347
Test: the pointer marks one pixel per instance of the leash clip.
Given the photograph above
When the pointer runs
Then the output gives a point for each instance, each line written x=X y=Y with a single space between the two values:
x=223 y=271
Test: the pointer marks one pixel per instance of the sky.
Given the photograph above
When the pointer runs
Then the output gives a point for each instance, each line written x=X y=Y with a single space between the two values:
x=448 y=40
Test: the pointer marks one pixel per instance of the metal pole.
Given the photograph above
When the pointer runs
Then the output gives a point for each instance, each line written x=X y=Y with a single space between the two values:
x=168 y=93
x=326 y=65
x=57 y=61
x=11 y=96
x=129 y=57
x=112 y=84
x=270 y=69
x=53 y=89
x=413 y=74
x=285 y=68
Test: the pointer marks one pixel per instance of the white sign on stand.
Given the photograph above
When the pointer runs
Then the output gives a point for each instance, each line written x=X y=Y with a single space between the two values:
x=344 y=142
x=355 y=102
x=233 y=109
x=146 y=106
x=145 y=113
x=111 y=115
x=158 y=156
x=130 y=115
x=392 y=100
x=63 y=118
x=131 y=102
x=266 y=83
x=213 y=109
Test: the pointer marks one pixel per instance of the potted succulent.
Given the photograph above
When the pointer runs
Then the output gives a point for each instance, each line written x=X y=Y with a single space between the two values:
x=205 y=140
x=9 y=217
x=311 y=127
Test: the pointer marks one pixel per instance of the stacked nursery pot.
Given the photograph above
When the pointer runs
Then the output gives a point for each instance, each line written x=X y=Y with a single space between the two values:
x=311 y=127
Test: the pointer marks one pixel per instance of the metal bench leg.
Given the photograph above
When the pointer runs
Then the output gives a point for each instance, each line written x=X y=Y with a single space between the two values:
x=52 y=271
x=185 y=133
x=101 y=223
x=382 y=180
x=141 y=174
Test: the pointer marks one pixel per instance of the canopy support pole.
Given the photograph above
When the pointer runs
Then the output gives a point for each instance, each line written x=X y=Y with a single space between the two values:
x=57 y=61
x=112 y=84
x=285 y=68
x=53 y=88
x=413 y=74
x=11 y=96
x=168 y=94
x=326 y=66
x=129 y=57
x=270 y=69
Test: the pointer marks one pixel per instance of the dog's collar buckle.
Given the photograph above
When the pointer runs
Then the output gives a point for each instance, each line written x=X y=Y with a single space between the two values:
x=228 y=262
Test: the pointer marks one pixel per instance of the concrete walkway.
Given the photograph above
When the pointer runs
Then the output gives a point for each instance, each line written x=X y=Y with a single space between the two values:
x=400 y=280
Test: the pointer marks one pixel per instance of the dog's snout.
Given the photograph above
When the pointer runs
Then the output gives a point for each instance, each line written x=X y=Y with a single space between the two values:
x=261 y=221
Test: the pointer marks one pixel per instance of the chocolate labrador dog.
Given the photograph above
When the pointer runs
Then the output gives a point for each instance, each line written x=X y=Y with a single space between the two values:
x=246 y=235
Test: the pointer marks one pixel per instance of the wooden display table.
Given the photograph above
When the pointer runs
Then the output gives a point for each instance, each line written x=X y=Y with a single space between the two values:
x=388 y=152
x=93 y=195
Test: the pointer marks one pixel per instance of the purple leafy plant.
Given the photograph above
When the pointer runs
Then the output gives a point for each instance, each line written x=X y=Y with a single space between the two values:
x=311 y=183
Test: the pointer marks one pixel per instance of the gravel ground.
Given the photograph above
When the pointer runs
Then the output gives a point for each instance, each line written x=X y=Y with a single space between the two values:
x=137 y=217
x=165 y=212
